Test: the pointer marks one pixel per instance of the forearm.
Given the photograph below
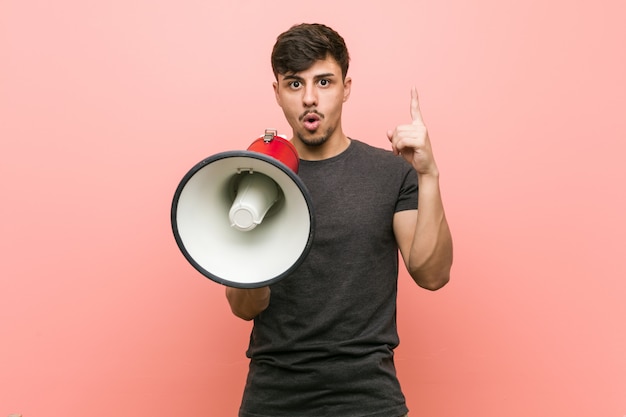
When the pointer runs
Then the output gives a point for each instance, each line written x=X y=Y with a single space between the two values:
x=430 y=258
x=248 y=303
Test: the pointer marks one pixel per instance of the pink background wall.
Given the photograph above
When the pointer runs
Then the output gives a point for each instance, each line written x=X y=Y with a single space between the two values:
x=105 y=105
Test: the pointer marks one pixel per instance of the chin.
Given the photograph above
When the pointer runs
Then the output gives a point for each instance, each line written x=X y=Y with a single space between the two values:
x=311 y=139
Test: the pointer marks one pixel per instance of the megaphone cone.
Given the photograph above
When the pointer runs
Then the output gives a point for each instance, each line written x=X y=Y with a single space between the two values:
x=244 y=218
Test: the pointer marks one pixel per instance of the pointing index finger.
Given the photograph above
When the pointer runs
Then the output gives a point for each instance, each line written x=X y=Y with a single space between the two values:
x=416 y=114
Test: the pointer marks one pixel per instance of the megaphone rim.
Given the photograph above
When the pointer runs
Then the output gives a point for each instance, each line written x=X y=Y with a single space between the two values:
x=245 y=154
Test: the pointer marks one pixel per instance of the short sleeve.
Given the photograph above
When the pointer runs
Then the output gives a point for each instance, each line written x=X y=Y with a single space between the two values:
x=407 y=198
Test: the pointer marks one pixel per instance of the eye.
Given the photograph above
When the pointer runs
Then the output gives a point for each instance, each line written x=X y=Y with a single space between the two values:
x=324 y=82
x=295 y=84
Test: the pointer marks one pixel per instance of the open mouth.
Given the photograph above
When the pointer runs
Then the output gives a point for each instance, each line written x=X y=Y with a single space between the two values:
x=311 y=120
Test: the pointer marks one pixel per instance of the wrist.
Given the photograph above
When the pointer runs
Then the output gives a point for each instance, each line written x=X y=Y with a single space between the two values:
x=431 y=176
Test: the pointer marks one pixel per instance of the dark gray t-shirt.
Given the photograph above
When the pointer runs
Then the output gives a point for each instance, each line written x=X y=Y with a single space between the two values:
x=324 y=346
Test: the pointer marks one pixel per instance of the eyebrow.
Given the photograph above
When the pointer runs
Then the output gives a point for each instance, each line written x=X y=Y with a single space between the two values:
x=317 y=77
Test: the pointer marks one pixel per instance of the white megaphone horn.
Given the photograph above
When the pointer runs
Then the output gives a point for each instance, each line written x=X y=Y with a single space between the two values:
x=244 y=218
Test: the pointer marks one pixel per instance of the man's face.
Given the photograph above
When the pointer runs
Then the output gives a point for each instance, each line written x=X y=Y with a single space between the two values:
x=312 y=101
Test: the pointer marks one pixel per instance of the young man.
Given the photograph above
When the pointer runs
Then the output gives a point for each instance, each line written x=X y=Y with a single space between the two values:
x=323 y=338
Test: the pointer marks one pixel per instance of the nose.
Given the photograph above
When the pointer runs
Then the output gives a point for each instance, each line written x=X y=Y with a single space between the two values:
x=309 y=98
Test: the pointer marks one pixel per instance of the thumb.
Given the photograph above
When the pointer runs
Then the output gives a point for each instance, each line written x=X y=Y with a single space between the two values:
x=390 y=137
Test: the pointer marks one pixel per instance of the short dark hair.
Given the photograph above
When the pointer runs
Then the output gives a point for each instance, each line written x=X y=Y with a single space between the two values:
x=299 y=47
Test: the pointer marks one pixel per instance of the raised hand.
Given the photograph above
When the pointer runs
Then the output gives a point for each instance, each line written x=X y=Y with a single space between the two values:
x=412 y=141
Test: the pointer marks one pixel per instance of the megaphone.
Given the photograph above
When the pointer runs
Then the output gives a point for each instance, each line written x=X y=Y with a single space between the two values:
x=244 y=219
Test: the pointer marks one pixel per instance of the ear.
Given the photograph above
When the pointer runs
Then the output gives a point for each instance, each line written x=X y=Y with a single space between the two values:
x=347 y=86
x=276 y=95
